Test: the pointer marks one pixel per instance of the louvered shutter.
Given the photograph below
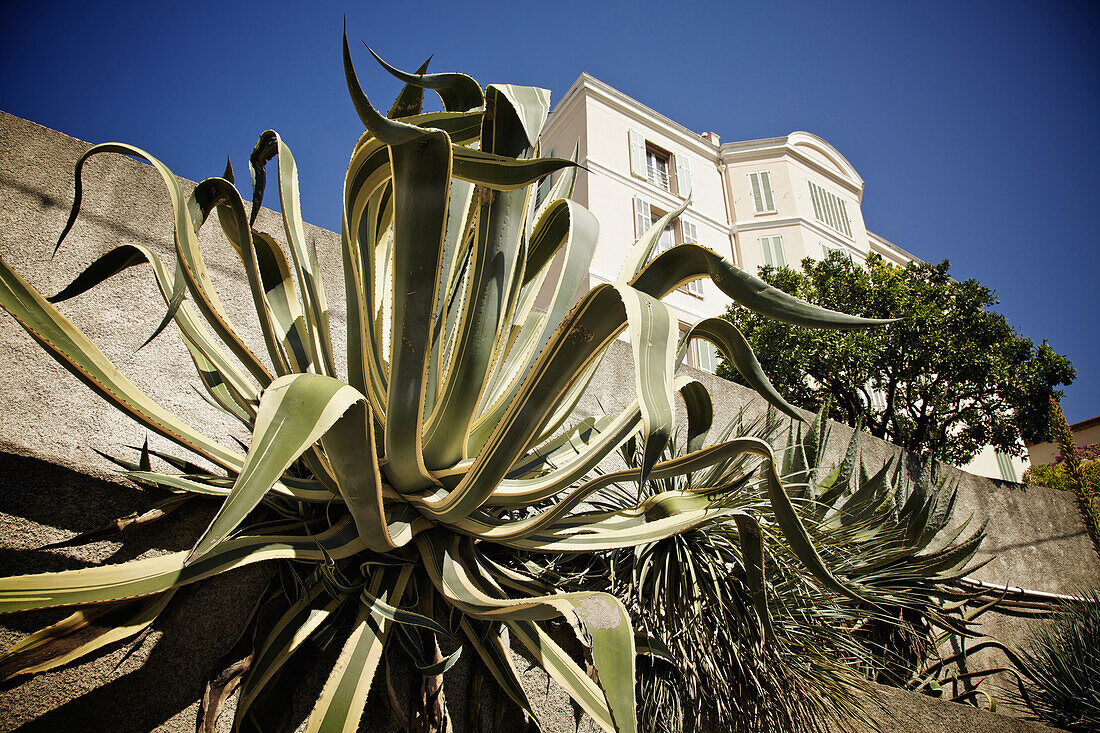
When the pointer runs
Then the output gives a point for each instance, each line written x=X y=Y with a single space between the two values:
x=757 y=197
x=778 y=254
x=772 y=249
x=637 y=154
x=683 y=175
x=766 y=189
x=690 y=236
x=642 y=218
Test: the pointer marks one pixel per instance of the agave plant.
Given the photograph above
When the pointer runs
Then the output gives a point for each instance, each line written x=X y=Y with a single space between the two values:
x=798 y=664
x=1062 y=661
x=446 y=437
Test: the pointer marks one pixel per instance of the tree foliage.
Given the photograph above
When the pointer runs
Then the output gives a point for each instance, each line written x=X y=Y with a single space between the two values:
x=949 y=377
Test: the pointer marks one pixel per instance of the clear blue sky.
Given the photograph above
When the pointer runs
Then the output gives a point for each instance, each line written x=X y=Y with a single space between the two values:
x=974 y=124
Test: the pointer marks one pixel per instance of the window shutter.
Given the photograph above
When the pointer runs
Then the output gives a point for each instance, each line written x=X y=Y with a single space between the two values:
x=683 y=175
x=766 y=189
x=772 y=249
x=689 y=232
x=757 y=198
x=637 y=154
x=1008 y=471
x=642 y=219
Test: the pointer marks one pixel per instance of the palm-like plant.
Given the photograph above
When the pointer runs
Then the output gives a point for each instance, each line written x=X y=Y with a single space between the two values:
x=446 y=437
x=750 y=653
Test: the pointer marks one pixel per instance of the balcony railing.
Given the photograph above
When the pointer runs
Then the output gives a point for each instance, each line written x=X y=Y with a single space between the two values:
x=658 y=177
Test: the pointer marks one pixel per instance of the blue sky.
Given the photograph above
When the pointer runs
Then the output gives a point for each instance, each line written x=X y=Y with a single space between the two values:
x=973 y=124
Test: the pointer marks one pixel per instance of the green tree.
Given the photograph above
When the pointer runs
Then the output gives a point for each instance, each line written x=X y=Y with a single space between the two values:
x=949 y=377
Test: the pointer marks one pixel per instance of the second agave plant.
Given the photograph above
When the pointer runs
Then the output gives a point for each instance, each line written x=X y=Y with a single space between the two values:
x=449 y=433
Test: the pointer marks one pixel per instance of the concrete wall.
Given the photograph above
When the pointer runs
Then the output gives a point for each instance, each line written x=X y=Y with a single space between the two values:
x=55 y=485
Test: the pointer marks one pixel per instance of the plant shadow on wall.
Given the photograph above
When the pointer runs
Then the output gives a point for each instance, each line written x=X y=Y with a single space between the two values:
x=418 y=506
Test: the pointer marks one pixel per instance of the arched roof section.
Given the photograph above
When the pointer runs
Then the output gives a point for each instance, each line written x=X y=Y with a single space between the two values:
x=811 y=146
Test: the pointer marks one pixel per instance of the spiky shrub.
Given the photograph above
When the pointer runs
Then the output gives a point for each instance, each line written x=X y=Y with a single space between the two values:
x=1062 y=661
x=754 y=653
x=446 y=438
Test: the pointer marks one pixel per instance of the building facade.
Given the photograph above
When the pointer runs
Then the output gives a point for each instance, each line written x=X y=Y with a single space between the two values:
x=773 y=201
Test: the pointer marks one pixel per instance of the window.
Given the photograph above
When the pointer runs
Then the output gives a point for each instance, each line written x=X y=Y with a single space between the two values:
x=645 y=215
x=828 y=249
x=653 y=164
x=656 y=168
x=688 y=235
x=704 y=356
x=762 y=192
x=830 y=210
x=1004 y=463
x=772 y=247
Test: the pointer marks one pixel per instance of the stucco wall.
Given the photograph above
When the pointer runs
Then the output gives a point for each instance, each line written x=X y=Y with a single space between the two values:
x=55 y=484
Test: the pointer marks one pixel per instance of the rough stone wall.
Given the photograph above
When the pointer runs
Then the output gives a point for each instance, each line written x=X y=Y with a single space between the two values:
x=53 y=484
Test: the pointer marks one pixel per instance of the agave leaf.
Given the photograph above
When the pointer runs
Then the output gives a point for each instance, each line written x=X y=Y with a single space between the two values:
x=587 y=454
x=752 y=552
x=455 y=572
x=421 y=177
x=410 y=101
x=563 y=227
x=489 y=299
x=700 y=412
x=80 y=634
x=364 y=187
x=303 y=255
x=642 y=250
x=503 y=173
x=567 y=673
x=360 y=482
x=157 y=574
x=686 y=262
x=295 y=411
x=459 y=92
x=488 y=640
x=464 y=128
x=74 y=351
x=344 y=696
x=735 y=347
x=867 y=499
x=295 y=626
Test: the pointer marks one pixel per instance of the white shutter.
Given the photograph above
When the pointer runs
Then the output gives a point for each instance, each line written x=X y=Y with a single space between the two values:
x=689 y=232
x=637 y=154
x=690 y=236
x=772 y=249
x=704 y=356
x=642 y=218
x=766 y=189
x=763 y=200
x=683 y=175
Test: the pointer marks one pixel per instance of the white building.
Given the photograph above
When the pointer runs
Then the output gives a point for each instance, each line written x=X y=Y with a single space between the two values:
x=772 y=201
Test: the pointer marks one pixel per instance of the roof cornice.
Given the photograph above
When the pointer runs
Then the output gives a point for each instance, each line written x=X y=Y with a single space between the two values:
x=589 y=86
x=732 y=152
